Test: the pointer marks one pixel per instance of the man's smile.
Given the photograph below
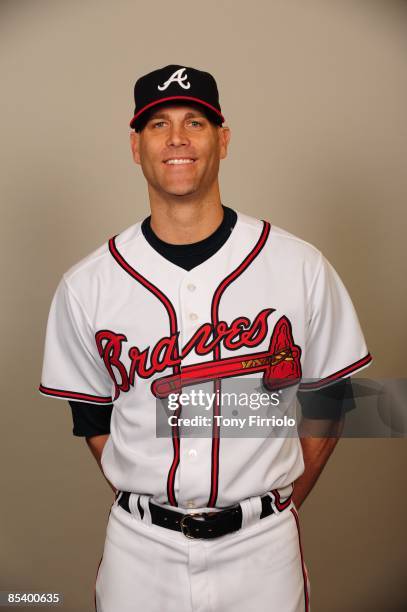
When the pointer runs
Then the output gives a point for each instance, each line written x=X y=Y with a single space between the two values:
x=179 y=160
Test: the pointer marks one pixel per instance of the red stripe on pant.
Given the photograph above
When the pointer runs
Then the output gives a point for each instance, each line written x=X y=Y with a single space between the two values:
x=94 y=588
x=304 y=570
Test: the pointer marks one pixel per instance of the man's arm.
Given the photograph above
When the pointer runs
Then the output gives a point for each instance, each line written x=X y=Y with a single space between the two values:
x=93 y=423
x=318 y=440
x=96 y=445
x=321 y=426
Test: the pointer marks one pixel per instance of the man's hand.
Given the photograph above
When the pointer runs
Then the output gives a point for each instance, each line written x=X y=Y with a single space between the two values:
x=96 y=445
x=318 y=440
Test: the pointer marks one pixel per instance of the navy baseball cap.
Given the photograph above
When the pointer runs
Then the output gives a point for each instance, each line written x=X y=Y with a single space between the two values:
x=175 y=83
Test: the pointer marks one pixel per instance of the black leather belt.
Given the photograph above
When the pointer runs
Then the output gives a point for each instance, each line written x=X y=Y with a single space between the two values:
x=202 y=524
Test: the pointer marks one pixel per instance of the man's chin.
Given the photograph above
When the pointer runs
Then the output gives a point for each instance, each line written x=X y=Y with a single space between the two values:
x=180 y=191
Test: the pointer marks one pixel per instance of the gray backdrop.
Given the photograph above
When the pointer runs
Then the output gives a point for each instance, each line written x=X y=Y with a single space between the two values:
x=315 y=95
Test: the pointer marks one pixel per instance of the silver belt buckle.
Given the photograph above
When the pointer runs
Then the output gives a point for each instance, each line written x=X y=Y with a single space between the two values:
x=185 y=529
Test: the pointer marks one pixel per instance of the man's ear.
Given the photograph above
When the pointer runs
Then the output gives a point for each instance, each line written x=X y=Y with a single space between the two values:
x=135 y=146
x=224 y=139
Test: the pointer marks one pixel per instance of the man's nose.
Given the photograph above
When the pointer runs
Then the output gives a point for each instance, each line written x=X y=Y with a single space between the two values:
x=177 y=135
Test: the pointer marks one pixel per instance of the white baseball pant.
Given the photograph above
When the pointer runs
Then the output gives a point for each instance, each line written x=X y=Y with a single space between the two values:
x=148 y=568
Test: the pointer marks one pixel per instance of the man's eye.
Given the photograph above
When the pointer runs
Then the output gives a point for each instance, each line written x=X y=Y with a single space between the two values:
x=193 y=122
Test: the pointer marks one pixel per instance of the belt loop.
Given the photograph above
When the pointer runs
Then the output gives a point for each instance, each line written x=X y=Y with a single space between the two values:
x=251 y=510
x=133 y=505
x=144 y=503
x=273 y=501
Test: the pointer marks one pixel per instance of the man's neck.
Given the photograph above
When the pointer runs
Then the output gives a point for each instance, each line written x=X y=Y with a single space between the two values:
x=183 y=221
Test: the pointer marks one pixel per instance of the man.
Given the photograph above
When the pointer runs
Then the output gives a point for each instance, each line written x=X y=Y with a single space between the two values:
x=199 y=294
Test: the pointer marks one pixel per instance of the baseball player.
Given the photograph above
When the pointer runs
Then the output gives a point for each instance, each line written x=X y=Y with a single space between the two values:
x=198 y=293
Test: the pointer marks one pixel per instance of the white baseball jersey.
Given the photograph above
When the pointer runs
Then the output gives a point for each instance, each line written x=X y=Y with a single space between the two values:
x=125 y=322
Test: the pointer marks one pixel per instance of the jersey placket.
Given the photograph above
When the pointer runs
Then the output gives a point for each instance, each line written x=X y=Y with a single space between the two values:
x=195 y=310
x=195 y=456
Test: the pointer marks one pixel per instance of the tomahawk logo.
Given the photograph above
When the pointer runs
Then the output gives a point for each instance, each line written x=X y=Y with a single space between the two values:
x=176 y=76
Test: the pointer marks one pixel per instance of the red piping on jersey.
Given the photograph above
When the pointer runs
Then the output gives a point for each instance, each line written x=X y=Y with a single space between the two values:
x=304 y=570
x=277 y=500
x=191 y=98
x=96 y=399
x=176 y=369
x=345 y=371
x=216 y=353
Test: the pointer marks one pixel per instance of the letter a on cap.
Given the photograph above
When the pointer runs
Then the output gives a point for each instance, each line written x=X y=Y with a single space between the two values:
x=176 y=76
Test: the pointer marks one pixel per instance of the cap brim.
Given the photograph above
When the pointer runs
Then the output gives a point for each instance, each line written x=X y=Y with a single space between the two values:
x=212 y=111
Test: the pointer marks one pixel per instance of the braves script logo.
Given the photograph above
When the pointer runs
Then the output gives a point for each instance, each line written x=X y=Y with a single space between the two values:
x=176 y=77
x=147 y=362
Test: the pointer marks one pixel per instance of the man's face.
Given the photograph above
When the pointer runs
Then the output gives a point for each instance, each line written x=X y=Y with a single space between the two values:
x=182 y=133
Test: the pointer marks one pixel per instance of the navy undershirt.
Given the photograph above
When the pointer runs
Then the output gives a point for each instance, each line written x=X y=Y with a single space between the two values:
x=188 y=256
x=92 y=420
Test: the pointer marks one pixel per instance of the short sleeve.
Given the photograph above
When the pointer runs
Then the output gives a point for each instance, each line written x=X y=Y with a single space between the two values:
x=335 y=346
x=72 y=368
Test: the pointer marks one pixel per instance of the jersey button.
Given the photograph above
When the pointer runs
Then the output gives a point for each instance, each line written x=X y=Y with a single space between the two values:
x=193 y=316
x=192 y=454
x=190 y=504
x=191 y=287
